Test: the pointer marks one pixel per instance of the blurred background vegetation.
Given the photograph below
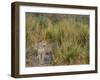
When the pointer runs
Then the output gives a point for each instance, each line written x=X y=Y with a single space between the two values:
x=69 y=32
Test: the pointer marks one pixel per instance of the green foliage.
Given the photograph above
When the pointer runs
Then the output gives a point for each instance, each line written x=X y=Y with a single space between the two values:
x=70 y=32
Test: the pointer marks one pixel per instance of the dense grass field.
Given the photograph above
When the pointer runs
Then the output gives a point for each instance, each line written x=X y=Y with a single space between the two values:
x=70 y=34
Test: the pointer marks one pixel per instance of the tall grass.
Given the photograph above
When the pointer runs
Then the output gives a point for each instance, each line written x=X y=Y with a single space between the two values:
x=69 y=32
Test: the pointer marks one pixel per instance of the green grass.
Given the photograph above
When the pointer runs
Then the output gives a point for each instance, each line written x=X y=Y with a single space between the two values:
x=69 y=32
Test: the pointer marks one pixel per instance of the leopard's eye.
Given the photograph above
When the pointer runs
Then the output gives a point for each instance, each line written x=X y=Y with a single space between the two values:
x=44 y=45
x=47 y=53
